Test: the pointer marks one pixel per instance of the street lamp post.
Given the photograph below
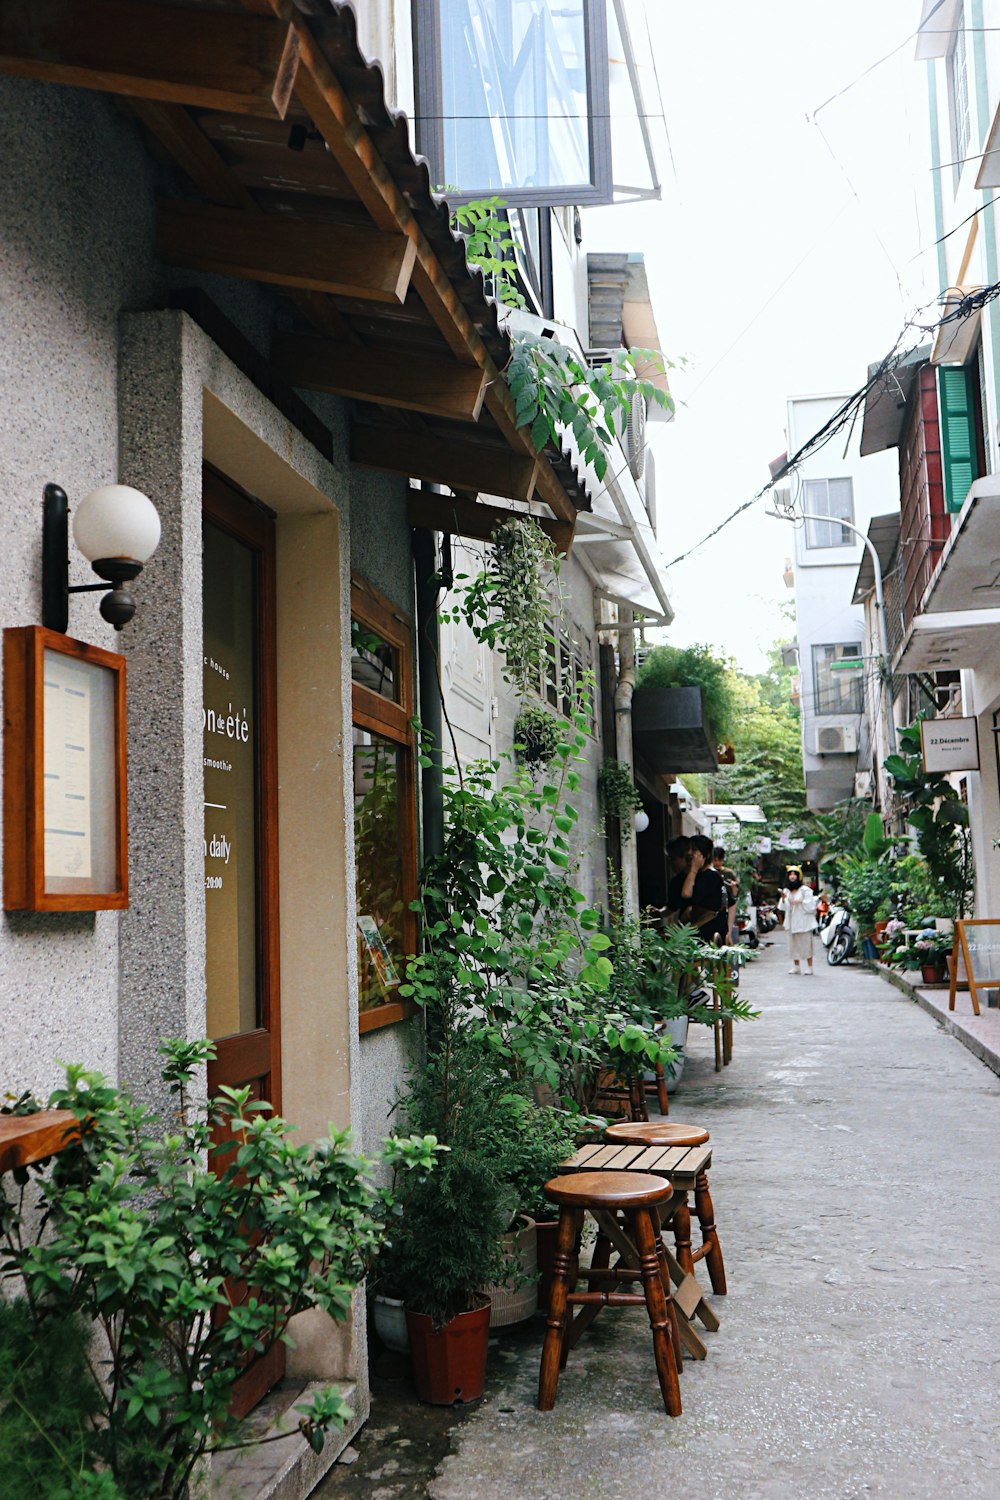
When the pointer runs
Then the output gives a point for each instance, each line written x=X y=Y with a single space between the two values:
x=883 y=633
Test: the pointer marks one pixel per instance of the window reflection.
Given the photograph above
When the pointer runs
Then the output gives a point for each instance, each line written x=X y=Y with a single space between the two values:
x=379 y=862
x=374 y=662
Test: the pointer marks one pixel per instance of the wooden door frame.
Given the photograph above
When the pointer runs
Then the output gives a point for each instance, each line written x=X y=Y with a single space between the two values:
x=247 y=1056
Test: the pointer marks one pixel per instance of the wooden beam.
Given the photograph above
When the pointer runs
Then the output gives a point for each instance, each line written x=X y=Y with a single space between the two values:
x=462 y=465
x=460 y=516
x=186 y=143
x=416 y=382
x=225 y=60
x=347 y=261
x=335 y=118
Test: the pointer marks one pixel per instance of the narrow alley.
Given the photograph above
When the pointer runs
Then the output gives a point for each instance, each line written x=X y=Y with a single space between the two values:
x=856 y=1145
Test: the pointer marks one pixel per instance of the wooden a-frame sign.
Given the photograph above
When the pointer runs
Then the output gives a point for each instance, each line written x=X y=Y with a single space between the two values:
x=980 y=955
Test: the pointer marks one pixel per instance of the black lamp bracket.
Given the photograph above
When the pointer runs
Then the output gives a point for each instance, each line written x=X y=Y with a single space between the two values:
x=118 y=605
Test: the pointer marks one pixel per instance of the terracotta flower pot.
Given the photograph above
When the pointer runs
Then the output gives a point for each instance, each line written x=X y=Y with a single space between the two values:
x=449 y=1363
x=932 y=973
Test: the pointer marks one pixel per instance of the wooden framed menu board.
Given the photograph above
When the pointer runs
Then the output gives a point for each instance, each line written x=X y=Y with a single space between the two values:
x=978 y=945
x=65 y=834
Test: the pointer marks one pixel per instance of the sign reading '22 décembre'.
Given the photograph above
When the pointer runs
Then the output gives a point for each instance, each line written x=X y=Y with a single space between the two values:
x=949 y=744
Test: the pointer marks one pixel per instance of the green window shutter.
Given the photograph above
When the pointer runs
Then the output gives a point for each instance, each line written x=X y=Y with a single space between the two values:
x=958 y=433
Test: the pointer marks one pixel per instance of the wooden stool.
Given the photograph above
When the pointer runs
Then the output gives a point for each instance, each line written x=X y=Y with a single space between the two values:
x=637 y=1197
x=671 y=1133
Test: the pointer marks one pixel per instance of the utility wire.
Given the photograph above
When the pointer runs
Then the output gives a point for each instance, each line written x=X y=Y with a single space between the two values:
x=847 y=410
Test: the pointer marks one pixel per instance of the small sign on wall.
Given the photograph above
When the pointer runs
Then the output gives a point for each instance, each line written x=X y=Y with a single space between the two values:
x=950 y=744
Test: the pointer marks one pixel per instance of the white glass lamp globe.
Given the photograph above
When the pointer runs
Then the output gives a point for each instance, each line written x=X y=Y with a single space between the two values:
x=641 y=820
x=116 y=521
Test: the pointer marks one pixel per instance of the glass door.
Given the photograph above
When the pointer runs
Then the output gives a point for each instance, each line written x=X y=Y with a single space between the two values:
x=241 y=826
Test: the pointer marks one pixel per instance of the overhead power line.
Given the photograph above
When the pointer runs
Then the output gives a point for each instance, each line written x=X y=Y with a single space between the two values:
x=848 y=410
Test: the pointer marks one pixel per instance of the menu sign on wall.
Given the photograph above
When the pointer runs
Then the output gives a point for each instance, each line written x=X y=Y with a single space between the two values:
x=230 y=781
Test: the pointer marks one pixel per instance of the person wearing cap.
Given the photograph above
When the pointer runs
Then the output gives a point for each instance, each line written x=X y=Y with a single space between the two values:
x=798 y=902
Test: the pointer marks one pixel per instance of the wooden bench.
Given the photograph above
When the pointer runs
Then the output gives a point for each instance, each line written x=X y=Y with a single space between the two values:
x=25 y=1139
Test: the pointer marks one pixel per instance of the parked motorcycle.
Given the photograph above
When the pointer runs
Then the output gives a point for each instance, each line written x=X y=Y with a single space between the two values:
x=837 y=935
x=767 y=918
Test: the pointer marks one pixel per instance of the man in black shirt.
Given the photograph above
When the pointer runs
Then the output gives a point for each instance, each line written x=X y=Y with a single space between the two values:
x=698 y=895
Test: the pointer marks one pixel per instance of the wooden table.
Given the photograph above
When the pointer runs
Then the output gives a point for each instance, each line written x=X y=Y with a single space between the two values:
x=680 y=1165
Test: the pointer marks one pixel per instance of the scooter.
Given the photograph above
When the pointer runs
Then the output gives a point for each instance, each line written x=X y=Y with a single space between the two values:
x=837 y=935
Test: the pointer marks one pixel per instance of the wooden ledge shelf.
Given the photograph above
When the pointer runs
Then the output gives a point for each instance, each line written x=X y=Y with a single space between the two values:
x=29 y=1138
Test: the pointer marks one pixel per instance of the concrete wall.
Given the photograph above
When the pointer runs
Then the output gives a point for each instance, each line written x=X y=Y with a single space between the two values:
x=825 y=578
x=99 y=383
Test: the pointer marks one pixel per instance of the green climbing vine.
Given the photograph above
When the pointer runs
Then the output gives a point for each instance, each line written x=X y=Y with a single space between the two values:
x=553 y=387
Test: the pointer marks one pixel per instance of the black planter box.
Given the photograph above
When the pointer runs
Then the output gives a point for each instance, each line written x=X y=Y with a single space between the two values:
x=669 y=730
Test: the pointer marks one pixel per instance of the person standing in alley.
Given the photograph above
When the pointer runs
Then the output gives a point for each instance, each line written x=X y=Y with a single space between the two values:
x=798 y=902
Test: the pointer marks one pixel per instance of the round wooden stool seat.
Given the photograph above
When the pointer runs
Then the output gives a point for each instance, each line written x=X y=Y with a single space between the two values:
x=657 y=1133
x=608 y=1190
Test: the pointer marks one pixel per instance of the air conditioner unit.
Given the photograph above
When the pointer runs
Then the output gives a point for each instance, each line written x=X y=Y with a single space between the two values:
x=837 y=739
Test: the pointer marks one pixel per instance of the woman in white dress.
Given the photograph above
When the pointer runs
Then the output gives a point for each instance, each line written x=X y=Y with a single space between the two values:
x=798 y=902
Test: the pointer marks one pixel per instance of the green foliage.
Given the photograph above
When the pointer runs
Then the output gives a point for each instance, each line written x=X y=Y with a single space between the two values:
x=148 y=1232
x=48 y=1405
x=695 y=666
x=840 y=832
x=618 y=793
x=554 y=389
x=537 y=734
x=920 y=897
x=866 y=887
x=941 y=820
x=766 y=734
x=490 y=246
x=507 y=604
x=445 y=1245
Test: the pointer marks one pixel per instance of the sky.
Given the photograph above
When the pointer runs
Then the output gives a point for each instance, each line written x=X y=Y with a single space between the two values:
x=784 y=257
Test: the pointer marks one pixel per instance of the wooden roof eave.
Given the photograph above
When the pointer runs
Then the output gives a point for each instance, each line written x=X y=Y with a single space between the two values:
x=280 y=64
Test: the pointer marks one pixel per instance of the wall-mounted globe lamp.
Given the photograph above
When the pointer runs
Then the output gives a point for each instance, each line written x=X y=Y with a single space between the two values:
x=117 y=530
x=641 y=820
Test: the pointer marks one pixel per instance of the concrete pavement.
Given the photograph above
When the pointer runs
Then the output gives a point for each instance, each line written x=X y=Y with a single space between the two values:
x=857 y=1148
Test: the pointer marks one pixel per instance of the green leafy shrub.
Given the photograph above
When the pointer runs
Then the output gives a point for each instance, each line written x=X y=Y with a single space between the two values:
x=694 y=666
x=941 y=821
x=187 y=1247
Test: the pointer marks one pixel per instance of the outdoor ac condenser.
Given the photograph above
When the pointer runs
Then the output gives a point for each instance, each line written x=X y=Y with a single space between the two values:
x=837 y=739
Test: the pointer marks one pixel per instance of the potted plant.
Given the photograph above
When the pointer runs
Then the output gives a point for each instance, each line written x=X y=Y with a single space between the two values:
x=446 y=1243
x=932 y=950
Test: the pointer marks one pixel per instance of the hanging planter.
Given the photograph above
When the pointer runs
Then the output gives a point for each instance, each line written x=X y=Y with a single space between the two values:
x=537 y=734
x=619 y=797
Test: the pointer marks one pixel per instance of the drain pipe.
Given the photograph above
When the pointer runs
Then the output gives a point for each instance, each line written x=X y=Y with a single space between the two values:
x=623 y=754
x=429 y=698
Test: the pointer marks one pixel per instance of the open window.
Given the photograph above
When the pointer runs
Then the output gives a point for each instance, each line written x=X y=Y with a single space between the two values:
x=385 y=823
x=513 y=99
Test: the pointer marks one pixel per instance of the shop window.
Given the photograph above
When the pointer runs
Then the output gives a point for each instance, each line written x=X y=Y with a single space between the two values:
x=833 y=498
x=838 y=679
x=385 y=827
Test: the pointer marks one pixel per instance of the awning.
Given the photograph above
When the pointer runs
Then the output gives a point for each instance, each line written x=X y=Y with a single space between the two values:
x=885 y=406
x=733 y=812
x=883 y=533
x=294 y=172
x=936 y=32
